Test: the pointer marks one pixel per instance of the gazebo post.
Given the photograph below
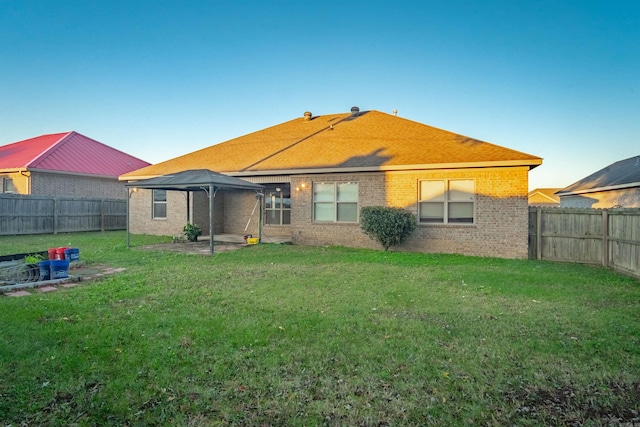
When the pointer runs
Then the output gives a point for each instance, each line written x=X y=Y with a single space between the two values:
x=260 y=222
x=128 y=197
x=211 y=205
x=189 y=207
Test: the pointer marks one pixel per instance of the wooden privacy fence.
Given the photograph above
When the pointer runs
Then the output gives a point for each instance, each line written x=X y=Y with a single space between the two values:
x=610 y=237
x=20 y=214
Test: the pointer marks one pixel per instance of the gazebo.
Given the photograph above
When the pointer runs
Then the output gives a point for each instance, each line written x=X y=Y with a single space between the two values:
x=195 y=180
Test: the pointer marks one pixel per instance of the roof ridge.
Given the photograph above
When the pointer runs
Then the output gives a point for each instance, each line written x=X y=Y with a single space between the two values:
x=49 y=149
x=367 y=141
x=107 y=146
x=298 y=141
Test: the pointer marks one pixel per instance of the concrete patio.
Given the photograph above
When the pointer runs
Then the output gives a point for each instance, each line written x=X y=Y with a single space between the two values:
x=221 y=243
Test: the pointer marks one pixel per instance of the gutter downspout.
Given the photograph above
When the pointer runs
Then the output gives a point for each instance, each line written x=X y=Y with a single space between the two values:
x=27 y=174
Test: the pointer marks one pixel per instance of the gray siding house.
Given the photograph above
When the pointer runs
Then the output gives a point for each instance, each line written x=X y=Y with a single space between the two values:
x=616 y=186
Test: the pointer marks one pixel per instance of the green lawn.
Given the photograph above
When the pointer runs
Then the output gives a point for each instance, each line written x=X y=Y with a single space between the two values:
x=303 y=336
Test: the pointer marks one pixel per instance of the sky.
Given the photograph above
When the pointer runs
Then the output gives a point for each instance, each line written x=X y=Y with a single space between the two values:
x=157 y=79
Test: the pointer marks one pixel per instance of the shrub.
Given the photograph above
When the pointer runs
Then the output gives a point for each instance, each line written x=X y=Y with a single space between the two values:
x=389 y=226
x=191 y=232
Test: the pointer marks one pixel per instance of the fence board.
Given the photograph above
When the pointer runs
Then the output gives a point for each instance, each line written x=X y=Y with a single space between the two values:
x=20 y=214
x=115 y=214
x=610 y=237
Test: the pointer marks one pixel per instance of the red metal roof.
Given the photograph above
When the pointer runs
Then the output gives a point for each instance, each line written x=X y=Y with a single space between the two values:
x=68 y=152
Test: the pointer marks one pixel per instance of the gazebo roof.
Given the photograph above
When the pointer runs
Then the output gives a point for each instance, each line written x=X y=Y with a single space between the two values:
x=195 y=180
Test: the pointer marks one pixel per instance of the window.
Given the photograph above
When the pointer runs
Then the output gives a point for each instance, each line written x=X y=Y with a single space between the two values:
x=159 y=204
x=277 y=204
x=447 y=201
x=7 y=185
x=335 y=202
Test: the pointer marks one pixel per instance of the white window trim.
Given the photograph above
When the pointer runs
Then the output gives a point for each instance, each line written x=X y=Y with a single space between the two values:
x=3 y=186
x=447 y=201
x=154 y=202
x=335 y=203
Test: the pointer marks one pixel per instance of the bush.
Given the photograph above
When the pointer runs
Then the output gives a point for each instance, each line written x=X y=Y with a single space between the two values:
x=191 y=232
x=388 y=226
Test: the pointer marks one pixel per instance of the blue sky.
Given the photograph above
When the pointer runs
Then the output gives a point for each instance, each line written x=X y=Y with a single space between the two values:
x=157 y=79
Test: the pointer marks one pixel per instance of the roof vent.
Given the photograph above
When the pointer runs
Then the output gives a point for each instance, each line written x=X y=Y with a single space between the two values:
x=307 y=115
x=355 y=111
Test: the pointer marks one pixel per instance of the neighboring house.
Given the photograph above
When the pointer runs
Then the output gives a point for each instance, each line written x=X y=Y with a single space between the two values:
x=469 y=196
x=617 y=185
x=65 y=164
x=545 y=197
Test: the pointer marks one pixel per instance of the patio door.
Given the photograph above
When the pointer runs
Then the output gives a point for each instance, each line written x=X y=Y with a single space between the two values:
x=277 y=204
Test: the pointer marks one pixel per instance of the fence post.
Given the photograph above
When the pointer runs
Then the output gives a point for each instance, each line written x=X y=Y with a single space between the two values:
x=605 y=237
x=101 y=214
x=538 y=232
x=55 y=215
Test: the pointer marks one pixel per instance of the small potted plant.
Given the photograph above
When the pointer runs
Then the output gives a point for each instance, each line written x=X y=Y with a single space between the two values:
x=33 y=259
x=191 y=232
x=31 y=270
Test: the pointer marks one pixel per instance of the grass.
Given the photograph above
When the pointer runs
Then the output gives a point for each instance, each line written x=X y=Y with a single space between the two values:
x=300 y=336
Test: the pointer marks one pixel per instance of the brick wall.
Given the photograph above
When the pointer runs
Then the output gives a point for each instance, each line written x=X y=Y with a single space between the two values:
x=200 y=211
x=501 y=225
x=304 y=231
x=55 y=184
x=239 y=208
x=141 y=219
x=501 y=212
x=141 y=208
x=237 y=212
x=232 y=210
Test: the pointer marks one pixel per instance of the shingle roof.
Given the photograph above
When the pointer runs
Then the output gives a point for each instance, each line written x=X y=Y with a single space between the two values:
x=544 y=196
x=621 y=174
x=67 y=152
x=366 y=141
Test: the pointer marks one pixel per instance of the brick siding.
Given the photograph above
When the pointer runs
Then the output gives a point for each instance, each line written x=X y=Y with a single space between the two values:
x=238 y=211
x=141 y=219
x=227 y=217
x=501 y=212
x=54 y=184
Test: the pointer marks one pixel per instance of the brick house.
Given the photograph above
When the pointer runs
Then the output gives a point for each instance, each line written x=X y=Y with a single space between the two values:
x=65 y=164
x=617 y=185
x=469 y=196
